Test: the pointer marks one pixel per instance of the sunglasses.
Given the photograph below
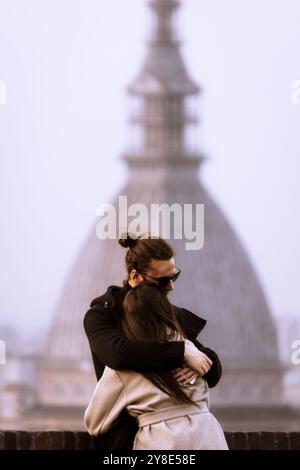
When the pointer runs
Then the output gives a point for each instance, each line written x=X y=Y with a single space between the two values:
x=165 y=280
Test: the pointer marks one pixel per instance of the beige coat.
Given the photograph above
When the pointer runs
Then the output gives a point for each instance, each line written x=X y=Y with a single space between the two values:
x=163 y=423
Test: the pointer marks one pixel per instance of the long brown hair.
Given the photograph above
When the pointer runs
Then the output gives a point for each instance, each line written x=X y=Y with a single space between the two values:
x=148 y=315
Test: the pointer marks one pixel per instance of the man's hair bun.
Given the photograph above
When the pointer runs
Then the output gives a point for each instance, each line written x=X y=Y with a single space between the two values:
x=128 y=240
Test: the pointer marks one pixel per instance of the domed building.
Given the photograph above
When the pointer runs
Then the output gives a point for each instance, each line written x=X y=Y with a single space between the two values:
x=217 y=282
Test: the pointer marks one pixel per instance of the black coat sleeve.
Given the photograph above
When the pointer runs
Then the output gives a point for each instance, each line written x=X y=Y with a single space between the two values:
x=215 y=372
x=115 y=350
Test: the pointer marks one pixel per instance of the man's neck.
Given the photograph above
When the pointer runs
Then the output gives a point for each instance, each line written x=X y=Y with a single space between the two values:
x=131 y=283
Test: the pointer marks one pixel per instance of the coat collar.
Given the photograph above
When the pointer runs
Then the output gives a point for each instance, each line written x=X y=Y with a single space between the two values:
x=189 y=322
x=112 y=294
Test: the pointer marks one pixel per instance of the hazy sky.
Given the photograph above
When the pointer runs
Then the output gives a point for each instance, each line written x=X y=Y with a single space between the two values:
x=66 y=64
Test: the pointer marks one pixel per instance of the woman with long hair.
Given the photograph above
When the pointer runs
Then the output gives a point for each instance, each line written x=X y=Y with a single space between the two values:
x=169 y=415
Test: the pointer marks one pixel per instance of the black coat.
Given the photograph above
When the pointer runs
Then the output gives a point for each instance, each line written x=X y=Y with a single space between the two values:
x=109 y=346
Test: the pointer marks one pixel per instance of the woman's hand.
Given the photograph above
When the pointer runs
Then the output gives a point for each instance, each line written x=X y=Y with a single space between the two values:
x=185 y=375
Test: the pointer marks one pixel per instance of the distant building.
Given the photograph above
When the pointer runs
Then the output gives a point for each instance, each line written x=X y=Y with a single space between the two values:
x=289 y=331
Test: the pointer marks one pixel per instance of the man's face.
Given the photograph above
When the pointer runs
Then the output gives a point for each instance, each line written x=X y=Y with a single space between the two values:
x=158 y=269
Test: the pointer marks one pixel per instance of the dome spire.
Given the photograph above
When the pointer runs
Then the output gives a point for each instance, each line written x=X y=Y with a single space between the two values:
x=163 y=20
x=163 y=120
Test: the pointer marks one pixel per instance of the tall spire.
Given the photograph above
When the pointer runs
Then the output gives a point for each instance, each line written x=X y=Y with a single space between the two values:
x=162 y=92
x=163 y=11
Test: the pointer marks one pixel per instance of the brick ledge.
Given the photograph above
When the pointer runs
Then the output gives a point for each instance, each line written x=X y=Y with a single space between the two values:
x=79 y=440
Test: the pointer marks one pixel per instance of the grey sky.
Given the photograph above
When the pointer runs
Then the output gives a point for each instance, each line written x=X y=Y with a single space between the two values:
x=66 y=64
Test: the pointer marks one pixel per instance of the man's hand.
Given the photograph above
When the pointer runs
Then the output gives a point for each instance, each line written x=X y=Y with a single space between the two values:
x=195 y=359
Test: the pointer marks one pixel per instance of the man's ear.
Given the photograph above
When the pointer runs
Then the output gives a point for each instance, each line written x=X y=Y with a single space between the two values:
x=135 y=276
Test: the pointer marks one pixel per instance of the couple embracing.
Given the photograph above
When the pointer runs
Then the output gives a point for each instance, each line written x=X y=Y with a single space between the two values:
x=153 y=374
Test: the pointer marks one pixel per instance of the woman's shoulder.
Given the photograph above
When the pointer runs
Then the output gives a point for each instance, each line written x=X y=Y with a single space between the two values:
x=133 y=380
x=113 y=376
x=123 y=374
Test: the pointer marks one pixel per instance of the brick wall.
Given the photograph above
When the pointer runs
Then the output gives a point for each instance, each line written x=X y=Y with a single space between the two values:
x=69 y=440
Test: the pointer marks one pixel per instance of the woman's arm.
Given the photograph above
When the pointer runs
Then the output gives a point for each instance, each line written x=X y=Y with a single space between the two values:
x=106 y=403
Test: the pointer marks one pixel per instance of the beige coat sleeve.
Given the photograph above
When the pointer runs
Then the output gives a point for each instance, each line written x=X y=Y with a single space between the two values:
x=106 y=403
